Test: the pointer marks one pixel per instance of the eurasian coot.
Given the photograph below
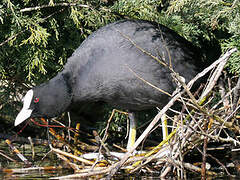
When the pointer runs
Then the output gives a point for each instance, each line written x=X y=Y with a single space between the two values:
x=107 y=66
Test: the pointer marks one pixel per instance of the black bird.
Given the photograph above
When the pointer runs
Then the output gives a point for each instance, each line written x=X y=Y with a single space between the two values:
x=107 y=66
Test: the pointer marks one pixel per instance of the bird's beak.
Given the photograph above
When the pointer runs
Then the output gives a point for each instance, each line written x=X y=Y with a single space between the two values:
x=26 y=111
x=22 y=116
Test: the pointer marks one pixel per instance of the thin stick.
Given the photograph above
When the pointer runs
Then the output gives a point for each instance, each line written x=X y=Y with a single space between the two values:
x=15 y=150
x=84 y=175
x=28 y=170
x=108 y=124
x=72 y=156
x=66 y=160
x=203 y=173
x=221 y=65
x=236 y=94
x=69 y=126
x=7 y=157
x=32 y=147
x=116 y=166
x=54 y=5
x=190 y=167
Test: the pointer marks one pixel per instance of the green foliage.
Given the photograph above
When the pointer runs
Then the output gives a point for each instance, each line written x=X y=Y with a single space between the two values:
x=216 y=19
x=138 y=9
x=37 y=37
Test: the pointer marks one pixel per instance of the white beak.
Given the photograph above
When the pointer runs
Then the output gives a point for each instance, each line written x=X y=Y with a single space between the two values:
x=25 y=112
x=22 y=116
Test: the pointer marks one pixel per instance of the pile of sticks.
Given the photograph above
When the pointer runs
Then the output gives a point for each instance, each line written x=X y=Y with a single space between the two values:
x=203 y=119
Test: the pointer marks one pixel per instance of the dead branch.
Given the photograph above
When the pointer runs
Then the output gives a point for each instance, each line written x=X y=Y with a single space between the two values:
x=116 y=166
x=53 y=6
x=18 y=153
x=7 y=157
x=30 y=169
x=190 y=167
x=236 y=94
x=85 y=161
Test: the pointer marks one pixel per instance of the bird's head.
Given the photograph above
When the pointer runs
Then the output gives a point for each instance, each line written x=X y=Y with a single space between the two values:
x=37 y=104
x=47 y=100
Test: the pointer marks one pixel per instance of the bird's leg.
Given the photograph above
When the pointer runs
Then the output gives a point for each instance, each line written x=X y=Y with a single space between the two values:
x=164 y=126
x=132 y=131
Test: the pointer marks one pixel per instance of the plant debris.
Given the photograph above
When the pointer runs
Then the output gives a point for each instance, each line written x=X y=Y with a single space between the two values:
x=207 y=124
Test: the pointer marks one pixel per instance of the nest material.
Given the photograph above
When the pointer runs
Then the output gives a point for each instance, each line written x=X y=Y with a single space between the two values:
x=202 y=120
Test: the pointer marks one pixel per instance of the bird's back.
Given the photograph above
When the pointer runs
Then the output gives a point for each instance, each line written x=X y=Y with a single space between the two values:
x=113 y=64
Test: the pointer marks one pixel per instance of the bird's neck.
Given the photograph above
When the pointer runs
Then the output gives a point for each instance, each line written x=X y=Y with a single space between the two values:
x=62 y=90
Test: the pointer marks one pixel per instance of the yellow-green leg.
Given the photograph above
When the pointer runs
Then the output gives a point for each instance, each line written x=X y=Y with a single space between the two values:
x=132 y=131
x=164 y=126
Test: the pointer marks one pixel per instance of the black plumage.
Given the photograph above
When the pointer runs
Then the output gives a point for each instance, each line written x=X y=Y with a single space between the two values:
x=105 y=65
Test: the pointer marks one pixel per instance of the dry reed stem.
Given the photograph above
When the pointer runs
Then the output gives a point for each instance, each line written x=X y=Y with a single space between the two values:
x=221 y=62
x=85 y=161
x=183 y=138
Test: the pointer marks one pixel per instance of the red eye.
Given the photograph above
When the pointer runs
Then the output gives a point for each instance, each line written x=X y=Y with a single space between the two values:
x=36 y=100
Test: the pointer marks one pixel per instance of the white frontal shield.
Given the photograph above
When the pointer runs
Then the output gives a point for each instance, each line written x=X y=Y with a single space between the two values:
x=25 y=113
